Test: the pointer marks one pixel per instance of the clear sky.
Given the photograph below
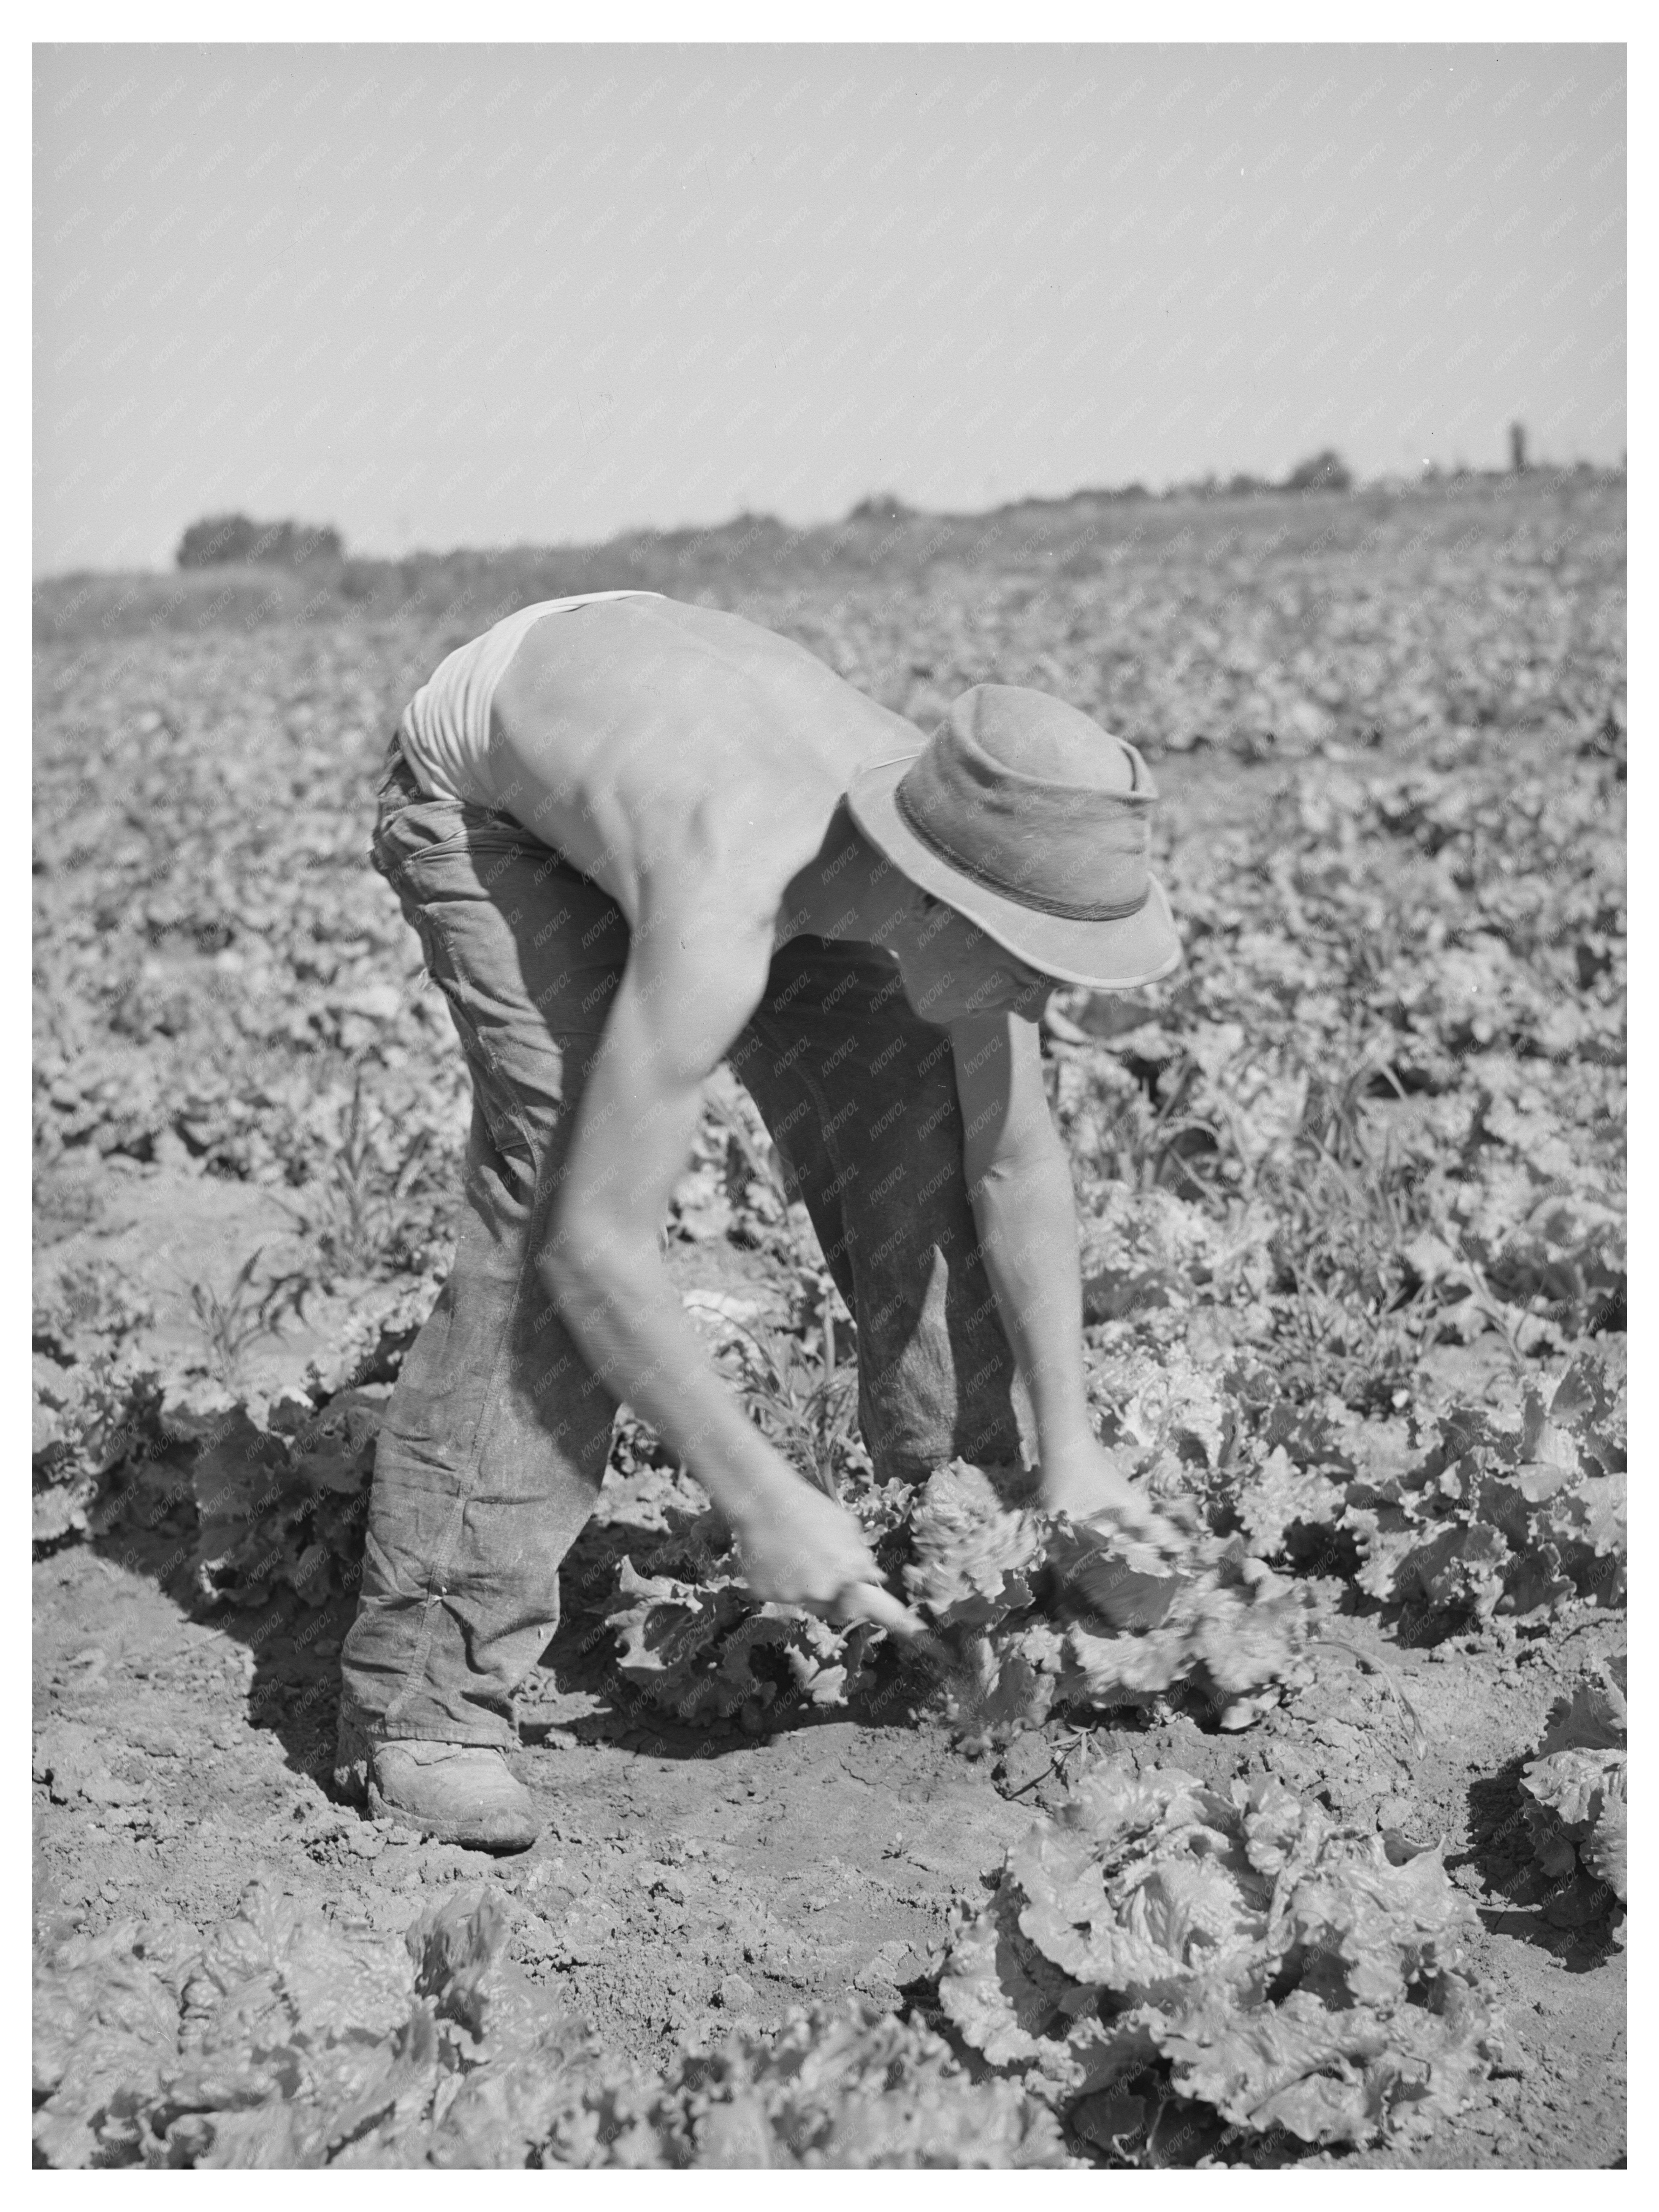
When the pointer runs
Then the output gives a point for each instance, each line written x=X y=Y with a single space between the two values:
x=478 y=296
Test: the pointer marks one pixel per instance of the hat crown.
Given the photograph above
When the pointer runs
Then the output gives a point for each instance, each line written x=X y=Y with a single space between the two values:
x=1033 y=733
x=1032 y=799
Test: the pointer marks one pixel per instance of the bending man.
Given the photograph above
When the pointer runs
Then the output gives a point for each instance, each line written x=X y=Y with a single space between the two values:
x=637 y=837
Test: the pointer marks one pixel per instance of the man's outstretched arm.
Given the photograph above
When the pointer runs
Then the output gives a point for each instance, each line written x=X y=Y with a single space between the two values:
x=691 y=983
x=1020 y=1184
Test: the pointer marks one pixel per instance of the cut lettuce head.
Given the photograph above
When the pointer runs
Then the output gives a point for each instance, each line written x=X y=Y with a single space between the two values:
x=1000 y=1580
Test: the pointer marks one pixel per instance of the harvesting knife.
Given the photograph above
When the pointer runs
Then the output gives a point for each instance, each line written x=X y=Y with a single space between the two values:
x=870 y=1601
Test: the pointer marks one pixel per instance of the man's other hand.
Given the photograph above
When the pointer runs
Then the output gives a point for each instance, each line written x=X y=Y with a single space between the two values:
x=1091 y=1485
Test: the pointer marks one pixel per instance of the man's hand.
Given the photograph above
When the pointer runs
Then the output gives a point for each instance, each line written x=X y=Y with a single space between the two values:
x=799 y=1547
x=1089 y=1484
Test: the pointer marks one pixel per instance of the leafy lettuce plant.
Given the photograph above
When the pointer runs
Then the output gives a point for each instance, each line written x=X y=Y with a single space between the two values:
x=279 y=2040
x=1576 y=1800
x=703 y=1653
x=1237 y=1954
x=1487 y=1519
x=847 y=2088
x=92 y=1390
x=281 y=1504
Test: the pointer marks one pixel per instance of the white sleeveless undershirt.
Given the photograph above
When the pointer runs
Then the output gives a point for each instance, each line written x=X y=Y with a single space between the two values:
x=444 y=730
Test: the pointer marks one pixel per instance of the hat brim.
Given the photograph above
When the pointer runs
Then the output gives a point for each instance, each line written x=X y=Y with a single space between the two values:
x=1106 y=955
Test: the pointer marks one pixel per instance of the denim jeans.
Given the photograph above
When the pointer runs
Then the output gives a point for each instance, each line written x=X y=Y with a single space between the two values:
x=497 y=1436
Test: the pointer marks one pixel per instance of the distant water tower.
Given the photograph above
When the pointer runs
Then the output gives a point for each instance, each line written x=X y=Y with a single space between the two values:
x=1517 y=446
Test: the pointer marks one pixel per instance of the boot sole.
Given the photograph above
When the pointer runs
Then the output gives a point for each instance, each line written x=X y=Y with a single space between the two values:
x=501 y=1831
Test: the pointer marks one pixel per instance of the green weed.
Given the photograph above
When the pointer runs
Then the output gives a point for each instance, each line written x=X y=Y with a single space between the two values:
x=231 y=1324
x=357 y=1212
x=802 y=1399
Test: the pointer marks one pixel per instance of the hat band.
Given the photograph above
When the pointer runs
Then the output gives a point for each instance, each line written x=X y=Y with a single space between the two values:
x=1021 y=894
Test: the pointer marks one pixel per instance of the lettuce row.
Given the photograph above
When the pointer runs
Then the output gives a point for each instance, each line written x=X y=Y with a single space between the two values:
x=282 y=2041
x=1484 y=1519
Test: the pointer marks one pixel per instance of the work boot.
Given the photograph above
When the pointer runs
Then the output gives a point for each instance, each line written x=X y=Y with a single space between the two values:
x=459 y=1793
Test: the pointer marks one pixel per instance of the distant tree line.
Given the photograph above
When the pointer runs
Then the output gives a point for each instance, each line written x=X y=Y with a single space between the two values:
x=218 y=538
x=226 y=539
x=1325 y=471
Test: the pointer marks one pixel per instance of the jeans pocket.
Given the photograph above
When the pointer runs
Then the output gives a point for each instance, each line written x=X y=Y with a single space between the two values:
x=408 y=831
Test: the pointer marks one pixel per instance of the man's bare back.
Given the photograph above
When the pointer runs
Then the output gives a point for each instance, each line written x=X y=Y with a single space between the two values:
x=685 y=759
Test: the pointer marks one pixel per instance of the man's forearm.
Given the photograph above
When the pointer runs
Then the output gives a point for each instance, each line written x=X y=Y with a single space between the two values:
x=1025 y=1212
x=620 y=1306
